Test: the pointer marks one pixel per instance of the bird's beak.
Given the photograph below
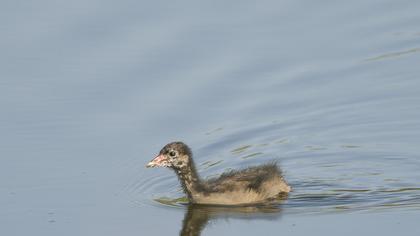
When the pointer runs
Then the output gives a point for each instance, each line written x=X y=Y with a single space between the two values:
x=160 y=160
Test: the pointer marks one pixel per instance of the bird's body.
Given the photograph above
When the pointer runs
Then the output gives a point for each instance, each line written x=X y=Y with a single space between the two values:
x=248 y=186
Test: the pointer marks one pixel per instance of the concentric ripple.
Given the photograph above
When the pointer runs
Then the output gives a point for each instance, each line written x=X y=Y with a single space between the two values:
x=325 y=177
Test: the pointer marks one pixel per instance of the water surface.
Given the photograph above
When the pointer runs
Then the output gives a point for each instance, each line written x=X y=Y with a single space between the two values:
x=91 y=90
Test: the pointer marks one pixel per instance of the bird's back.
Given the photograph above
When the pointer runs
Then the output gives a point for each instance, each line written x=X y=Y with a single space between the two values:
x=251 y=185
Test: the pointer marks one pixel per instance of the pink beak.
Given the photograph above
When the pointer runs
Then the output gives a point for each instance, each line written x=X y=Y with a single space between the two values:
x=160 y=160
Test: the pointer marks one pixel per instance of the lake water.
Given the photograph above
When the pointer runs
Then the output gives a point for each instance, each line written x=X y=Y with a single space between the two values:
x=91 y=90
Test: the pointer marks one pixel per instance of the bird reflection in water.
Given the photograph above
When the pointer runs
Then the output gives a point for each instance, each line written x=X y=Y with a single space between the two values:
x=197 y=216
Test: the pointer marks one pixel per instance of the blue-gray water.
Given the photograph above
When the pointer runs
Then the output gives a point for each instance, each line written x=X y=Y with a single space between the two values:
x=91 y=90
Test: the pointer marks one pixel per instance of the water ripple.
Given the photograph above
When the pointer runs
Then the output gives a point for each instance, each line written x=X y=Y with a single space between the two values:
x=326 y=176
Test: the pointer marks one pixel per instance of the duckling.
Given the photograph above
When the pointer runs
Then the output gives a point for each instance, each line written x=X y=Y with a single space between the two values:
x=252 y=185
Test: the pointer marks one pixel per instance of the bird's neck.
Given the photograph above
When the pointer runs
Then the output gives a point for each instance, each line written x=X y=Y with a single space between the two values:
x=189 y=179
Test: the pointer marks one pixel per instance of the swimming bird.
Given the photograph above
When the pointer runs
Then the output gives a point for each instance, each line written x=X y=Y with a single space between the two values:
x=252 y=185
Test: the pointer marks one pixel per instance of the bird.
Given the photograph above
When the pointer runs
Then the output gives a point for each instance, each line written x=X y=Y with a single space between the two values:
x=252 y=185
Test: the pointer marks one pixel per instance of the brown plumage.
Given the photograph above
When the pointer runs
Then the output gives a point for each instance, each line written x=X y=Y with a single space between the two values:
x=248 y=186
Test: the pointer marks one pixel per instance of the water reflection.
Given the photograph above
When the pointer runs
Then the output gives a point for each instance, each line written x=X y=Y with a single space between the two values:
x=197 y=216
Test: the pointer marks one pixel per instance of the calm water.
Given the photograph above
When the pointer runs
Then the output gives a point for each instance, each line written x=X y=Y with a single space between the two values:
x=91 y=90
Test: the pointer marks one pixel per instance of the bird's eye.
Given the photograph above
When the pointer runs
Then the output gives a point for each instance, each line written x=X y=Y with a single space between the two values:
x=172 y=153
